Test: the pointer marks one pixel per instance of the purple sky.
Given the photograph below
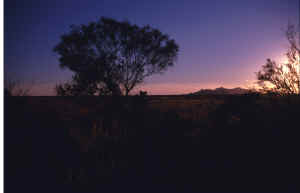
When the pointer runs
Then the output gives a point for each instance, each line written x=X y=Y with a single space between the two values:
x=222 y=42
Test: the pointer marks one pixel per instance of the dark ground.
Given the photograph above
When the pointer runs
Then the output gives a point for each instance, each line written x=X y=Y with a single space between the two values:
x=246 y=143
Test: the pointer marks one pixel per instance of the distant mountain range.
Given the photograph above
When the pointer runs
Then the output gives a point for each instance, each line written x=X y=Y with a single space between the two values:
x=221 y=91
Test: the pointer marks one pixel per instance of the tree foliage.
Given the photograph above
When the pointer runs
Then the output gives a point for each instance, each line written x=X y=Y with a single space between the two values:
x=109 y=57
x=283 y=78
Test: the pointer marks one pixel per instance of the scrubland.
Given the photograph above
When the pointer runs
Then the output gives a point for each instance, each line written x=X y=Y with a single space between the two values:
x=230 y=143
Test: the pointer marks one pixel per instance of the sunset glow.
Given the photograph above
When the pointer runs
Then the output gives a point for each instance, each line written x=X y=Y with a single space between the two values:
x=295 y=64
x=211 y=54
x=151 y=96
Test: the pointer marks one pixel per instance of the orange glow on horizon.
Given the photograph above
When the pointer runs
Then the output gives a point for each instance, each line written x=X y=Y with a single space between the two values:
x=47 y=89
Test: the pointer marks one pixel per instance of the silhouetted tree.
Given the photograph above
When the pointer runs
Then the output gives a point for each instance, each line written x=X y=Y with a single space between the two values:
x=15 y=88
x=112 y=57
x=283 y=78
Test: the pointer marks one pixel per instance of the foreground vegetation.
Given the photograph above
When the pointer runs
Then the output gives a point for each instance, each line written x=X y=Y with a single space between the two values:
x=232 y=143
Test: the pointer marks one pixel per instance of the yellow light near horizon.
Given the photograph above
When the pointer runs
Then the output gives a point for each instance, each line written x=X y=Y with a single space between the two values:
x=285 y=69
x=284 y=60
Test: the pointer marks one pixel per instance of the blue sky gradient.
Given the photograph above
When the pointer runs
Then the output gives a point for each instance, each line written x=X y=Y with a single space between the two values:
x=222 y=43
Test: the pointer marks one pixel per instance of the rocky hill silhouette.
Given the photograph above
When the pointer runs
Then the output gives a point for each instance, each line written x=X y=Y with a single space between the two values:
x=222 y=91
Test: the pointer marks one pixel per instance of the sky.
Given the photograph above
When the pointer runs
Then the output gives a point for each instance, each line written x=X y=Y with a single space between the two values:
x=221 y=43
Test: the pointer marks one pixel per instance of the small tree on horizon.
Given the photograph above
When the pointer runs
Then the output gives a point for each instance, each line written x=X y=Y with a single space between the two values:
x=283 y=78
x=109 y=57
x=15 y=88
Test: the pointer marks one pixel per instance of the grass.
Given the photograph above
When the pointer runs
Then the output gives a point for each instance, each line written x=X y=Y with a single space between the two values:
x=190 y=143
